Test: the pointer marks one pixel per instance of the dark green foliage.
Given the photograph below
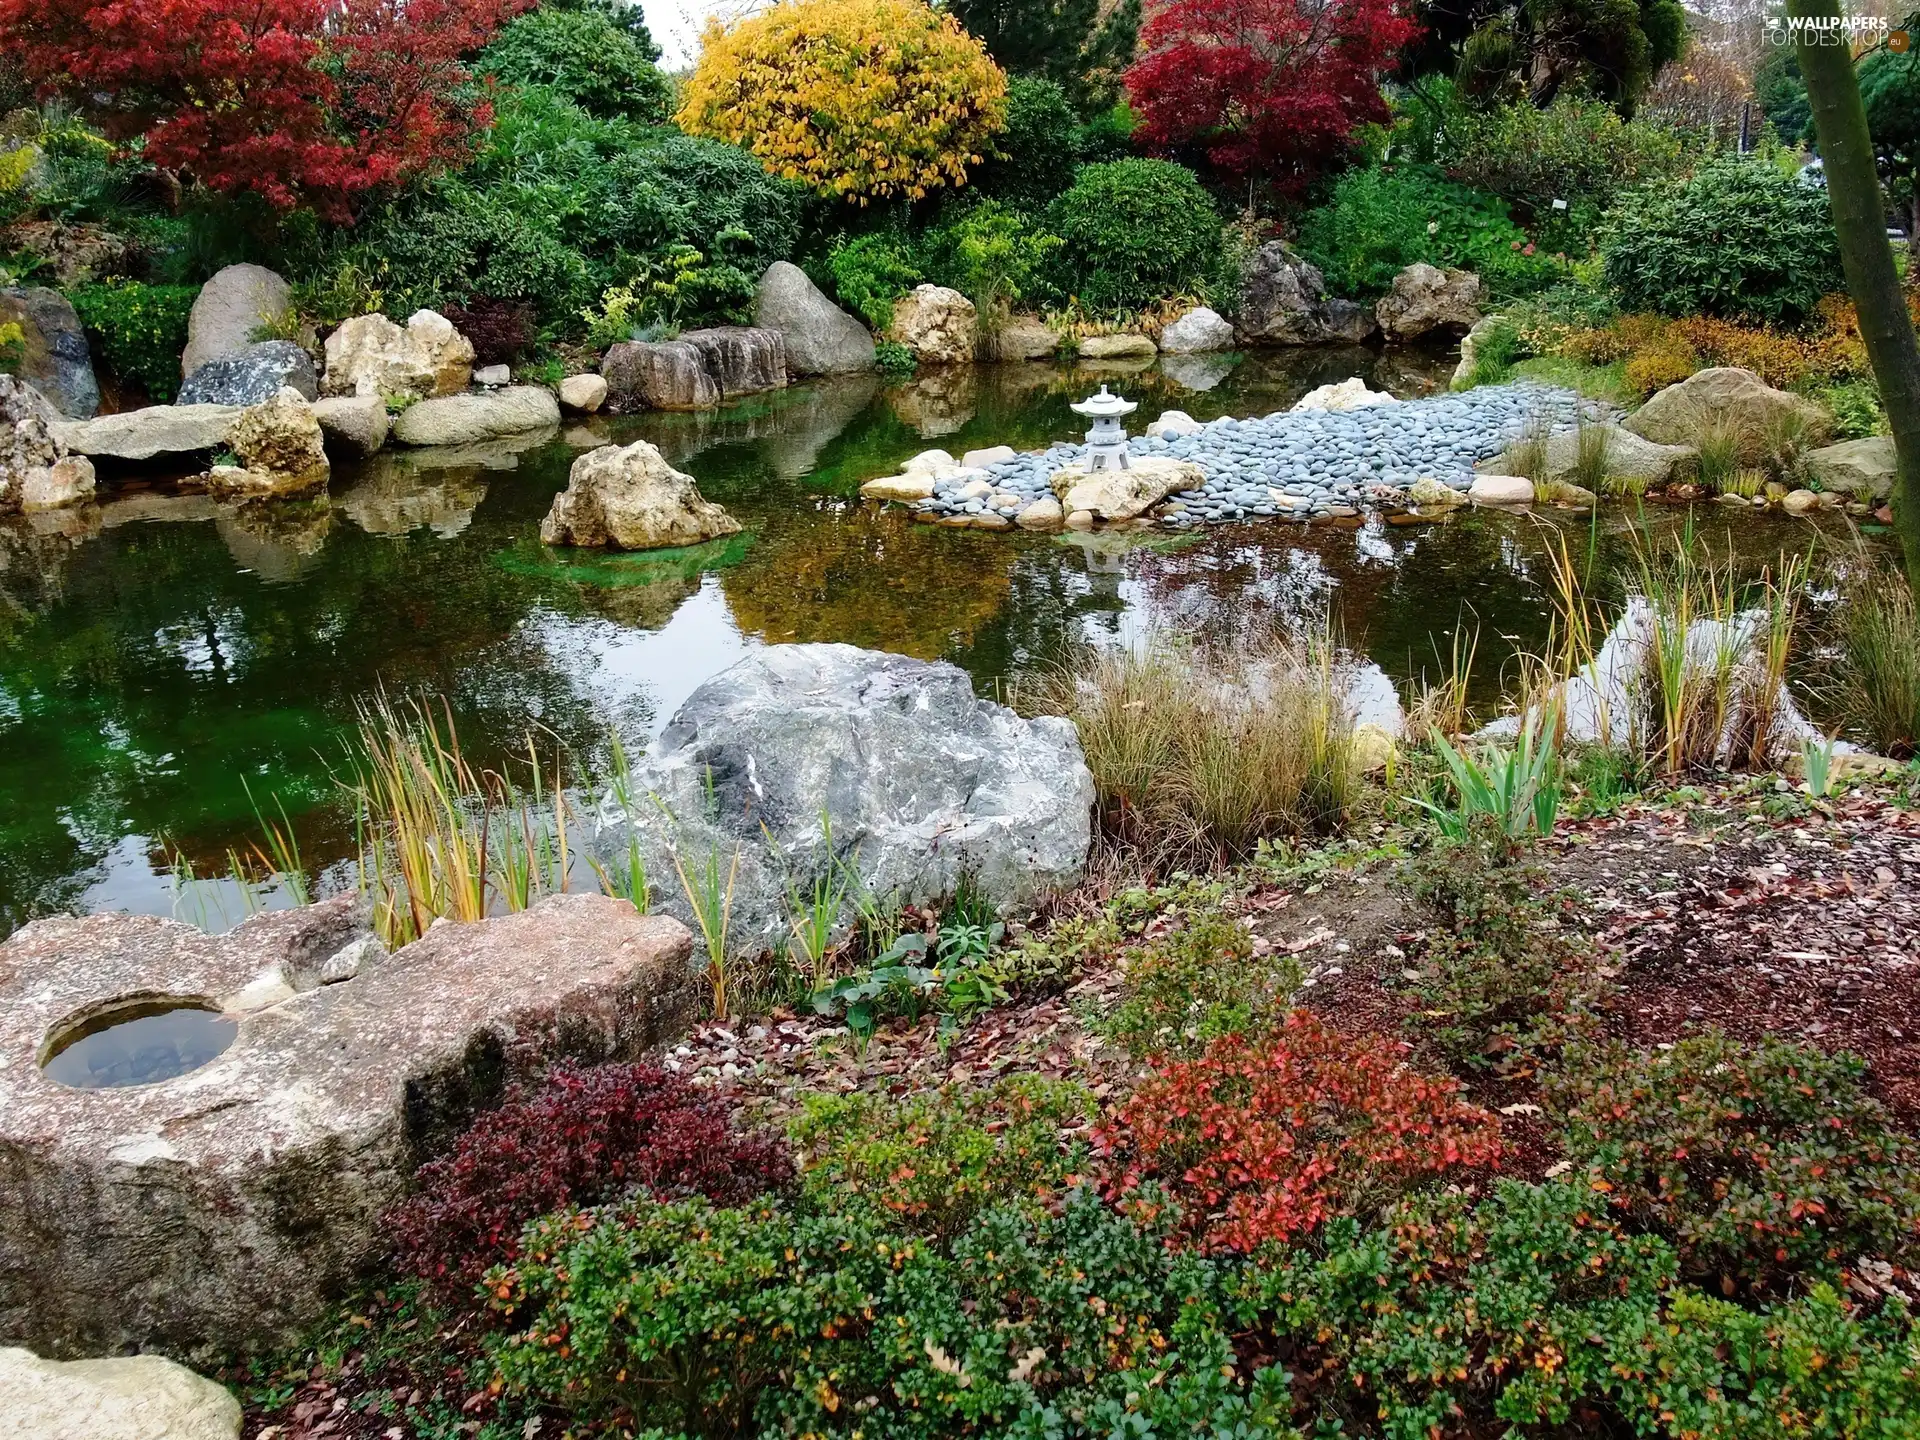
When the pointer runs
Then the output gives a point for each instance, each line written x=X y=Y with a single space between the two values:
x=561 y=205
x=872 y=271
x=1890 y=87
x=1038 y=147
x=1538 y=49
x=1738 y=239
x=584 y=57
x=1782 y=95
x=1064 y=41
x=1761 y=1162
x=1500 y=969
x=1378 y=223
x=1108 y=136
x=1137 y=231
x=767 y=1320
x=138 y=329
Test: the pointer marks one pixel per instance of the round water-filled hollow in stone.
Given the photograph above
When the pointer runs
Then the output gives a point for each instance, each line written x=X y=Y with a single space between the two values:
x=141 y=1040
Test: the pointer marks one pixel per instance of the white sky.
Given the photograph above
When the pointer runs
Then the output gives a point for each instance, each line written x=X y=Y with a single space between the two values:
x=677 y=25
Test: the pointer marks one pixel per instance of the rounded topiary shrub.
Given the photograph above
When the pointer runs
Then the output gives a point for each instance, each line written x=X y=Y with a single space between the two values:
x=1738 y=239
x=1036 y=151
x=584 y=56
x=1137 y=231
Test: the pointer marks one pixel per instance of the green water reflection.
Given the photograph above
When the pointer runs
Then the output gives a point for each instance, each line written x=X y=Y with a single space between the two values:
x=166 y=663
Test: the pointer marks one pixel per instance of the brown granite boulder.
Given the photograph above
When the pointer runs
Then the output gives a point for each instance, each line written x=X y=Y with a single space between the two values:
x=695 y=372
x=222 y=1209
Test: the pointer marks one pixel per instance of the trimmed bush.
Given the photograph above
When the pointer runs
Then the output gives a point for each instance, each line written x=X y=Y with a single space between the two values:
x=1036 y=152
x=138 y=329
x=1762 y=1162
x=1269 y=1140
x=583 y=1137
x=584 y=56
x=1137 y=231
x=1381 y=221
x=1738 y=239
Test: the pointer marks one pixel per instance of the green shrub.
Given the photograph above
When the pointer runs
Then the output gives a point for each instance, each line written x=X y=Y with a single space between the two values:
x=1137 y=231
x=139 y=329
x=1038 y=147
x=992 y=255
x=762 y=1321
x=1762 y=1162
x=931 y=1163
x=893 y=358
x=1739 y=239
x=1381 y=221
x=1107 y=137
x=1198 y=981
x=584 y=56
x=870 y=273
x=1855 y=407
x=1577 y=150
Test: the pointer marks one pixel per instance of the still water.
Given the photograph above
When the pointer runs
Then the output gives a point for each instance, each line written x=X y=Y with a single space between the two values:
x=170 y=667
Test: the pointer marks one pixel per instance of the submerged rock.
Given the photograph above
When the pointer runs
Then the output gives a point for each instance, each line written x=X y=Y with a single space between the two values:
x=820 y=338
x=130 y=1397
x=222 y=1210
x=631 y=499
x=924 y=783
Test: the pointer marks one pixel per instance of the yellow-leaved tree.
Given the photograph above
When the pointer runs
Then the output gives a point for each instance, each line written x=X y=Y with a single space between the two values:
x=863 y=99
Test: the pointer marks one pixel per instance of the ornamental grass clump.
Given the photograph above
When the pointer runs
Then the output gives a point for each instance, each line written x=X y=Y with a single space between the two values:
x=1876 y=689
x=1197 y=755
x=1267 y=1140
x=1765 y=1164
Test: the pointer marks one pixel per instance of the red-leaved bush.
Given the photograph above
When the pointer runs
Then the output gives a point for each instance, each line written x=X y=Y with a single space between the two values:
x=1265 y=1140
x=297 y=101
x=583 y=1137
x=1265 y=87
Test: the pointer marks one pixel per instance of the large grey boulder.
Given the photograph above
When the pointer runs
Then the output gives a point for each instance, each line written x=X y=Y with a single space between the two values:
x=923 y=782
x=1858 y=469
x=821 y=338
x=55 y=359
x=156 y=430
x=128 y=1397
x=229 y=311
x=696 y=372
x=1021 y=338
x=221 y=1210
x=1198 y=332
x=1425 y=300
x=939 y=325
x=36 y=470
x=1628 y=457
x=1755 y=412
x=354 y=425
x=631 y=499
x=1284 y=301
x=251 y=376
x=469 y=419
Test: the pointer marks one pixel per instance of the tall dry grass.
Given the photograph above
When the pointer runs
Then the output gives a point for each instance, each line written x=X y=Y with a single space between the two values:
x=1876 y=688
x=1198 y=755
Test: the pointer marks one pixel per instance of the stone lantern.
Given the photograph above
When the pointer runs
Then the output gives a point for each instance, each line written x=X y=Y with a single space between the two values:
x=1107 y=440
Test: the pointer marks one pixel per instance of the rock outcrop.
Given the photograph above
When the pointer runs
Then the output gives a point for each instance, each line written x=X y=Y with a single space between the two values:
x=145 y=434
x=631 y=499
x=222 y=1210
x=1022 y=337
x=1198 y=332
x=583 y=394
x=36 y=470
x=1284 y=301
x=923 y=781
x=1470 y=344
x=1753 y=410
x=820 y=337
x=130 y=1397
x=1118 y=347
x=54 y=357
x=1425 y=299
x=251 y=376
x=281 y=450
x=939 y=325
x=228 y=312
x=696 y=372
x=354 y=425
x=1123 y=494
x=1349 y=394
x=472 y=418
x=1858 y=469
x=1628 y=457
x=370 y=355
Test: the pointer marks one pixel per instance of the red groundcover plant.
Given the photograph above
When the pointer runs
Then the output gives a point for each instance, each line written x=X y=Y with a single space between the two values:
x=297 y=101
x=1272 y=88
x=1265 y=1140
x=583 y=1138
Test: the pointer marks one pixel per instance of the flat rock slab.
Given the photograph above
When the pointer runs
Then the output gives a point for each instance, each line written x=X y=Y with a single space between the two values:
x=132 y=1397
x=222 y=1210
x=156 y=430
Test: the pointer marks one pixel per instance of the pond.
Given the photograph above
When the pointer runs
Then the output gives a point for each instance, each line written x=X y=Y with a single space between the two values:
x=170 y=668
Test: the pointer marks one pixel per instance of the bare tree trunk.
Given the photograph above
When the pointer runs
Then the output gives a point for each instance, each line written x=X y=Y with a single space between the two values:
x=1859 y=217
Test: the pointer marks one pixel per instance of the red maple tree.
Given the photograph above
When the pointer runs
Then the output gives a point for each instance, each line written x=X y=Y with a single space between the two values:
x=1269 y=88
x=298 y=101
